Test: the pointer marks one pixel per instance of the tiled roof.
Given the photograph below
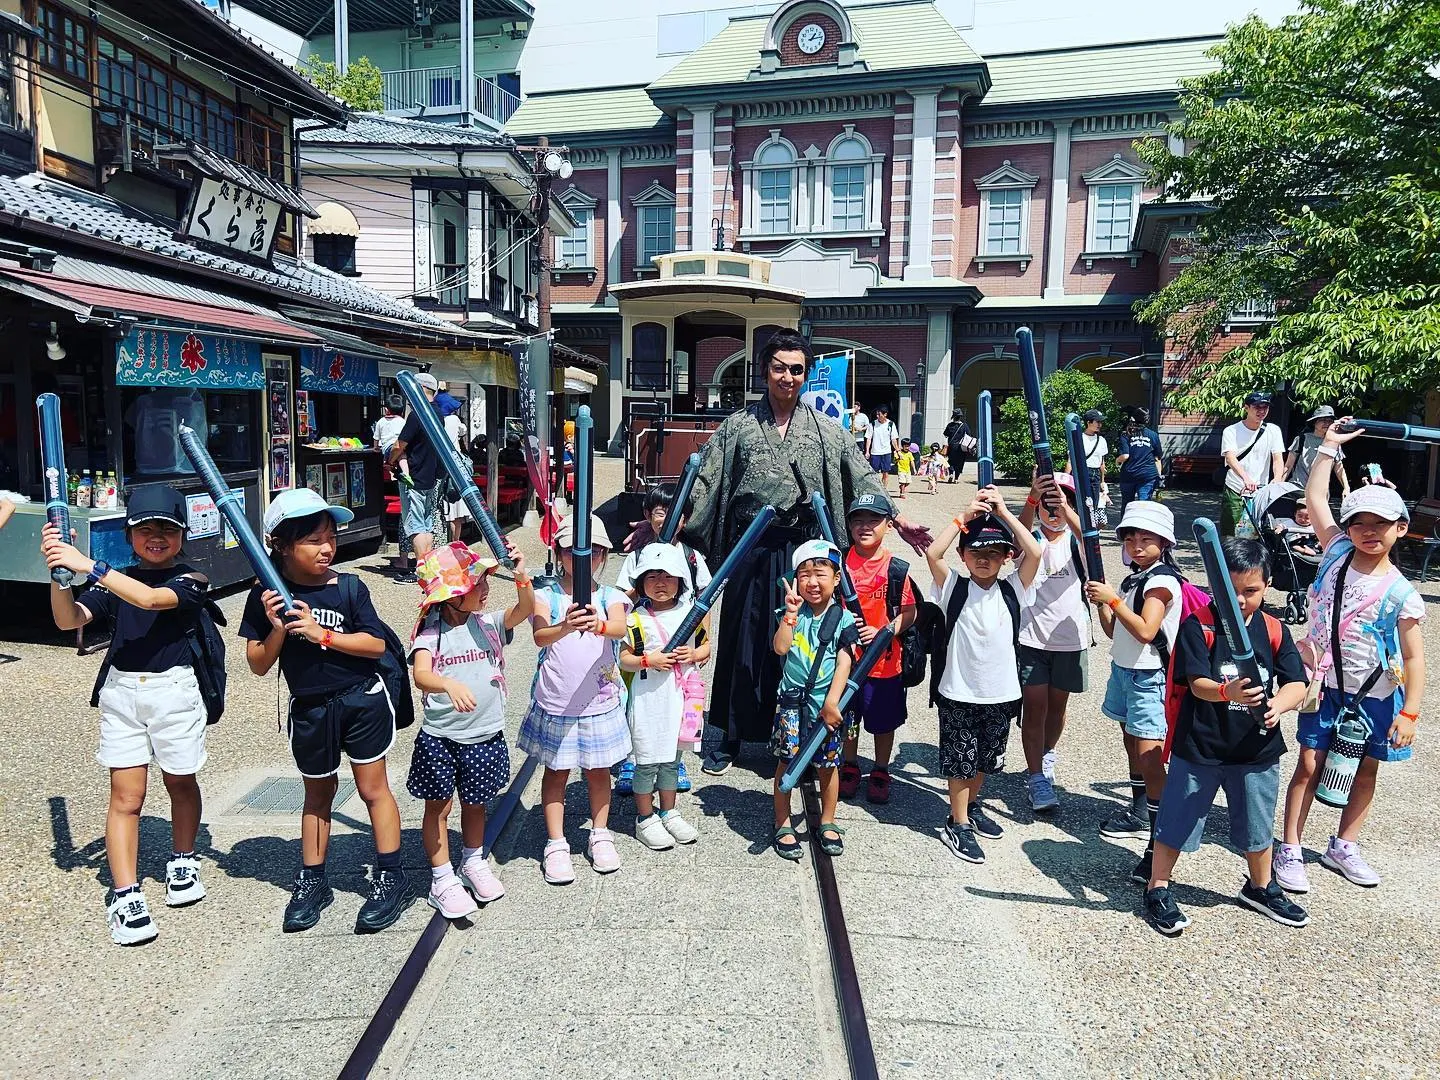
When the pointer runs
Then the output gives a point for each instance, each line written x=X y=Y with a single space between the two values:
x=94 y=217
x=898 y=35
x=374 y=129
x=1139 y=67
x=577 y=112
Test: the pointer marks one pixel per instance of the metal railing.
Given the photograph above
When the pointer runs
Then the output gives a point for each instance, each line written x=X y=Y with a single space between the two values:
x=437 y=90
x=453 y=283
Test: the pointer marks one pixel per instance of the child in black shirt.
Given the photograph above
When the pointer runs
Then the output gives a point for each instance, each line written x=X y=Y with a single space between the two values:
x=149 y=699
x=328 y=646
x=1219 y=744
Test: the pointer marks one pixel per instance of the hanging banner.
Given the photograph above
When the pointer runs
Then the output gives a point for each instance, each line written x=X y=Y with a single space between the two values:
x=532 y=371
x=825 y=390
x=149 y=357
x=330 y=371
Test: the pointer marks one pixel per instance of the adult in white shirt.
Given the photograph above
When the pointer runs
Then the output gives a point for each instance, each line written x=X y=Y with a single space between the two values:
x=880 y=446
x=1096 y=449
x=859 y=427
x=1254 y=452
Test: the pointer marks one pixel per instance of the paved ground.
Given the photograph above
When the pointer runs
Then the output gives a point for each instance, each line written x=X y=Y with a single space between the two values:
x=1036 y=964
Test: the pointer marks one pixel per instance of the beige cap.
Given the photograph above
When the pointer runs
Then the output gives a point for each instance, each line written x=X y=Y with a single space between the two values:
x=599 y=538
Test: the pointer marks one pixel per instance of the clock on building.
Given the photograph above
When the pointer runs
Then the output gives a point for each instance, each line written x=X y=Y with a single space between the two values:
x=811 y=38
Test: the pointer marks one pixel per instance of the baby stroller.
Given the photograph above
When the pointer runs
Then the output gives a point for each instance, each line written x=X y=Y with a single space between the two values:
x=1294 y=560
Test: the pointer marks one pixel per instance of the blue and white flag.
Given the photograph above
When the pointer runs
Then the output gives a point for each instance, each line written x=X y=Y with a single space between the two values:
x=825 y=390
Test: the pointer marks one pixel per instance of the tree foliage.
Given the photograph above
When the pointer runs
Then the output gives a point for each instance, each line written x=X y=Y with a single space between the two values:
x=1062 y=392
x=362 y=86
x=1317 y=145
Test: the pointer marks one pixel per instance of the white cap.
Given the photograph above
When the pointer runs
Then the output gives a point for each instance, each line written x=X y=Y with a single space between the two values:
x=1384 y=502
x=302 y=502
x=1154 y=517
x=428 y=381
x=666 y=558
x=815 y=549
x=599 y=538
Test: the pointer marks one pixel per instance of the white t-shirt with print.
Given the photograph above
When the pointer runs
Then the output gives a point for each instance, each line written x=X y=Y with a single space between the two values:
x=1360 y=644
x=1126 y=650
x=467 y=654
x=980 y=663
x=1058 y=620
x=1257 y=462
x=1096 y=448
x=883 y=435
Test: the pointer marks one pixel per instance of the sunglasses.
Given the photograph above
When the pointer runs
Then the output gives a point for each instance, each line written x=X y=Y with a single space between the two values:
x=796 y=370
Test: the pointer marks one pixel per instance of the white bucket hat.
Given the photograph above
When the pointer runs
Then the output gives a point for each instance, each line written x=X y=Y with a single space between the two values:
x=1151 y=516
x=667 y=558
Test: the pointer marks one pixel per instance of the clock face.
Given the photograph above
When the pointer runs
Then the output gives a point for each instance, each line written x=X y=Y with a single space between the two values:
x=812 y=38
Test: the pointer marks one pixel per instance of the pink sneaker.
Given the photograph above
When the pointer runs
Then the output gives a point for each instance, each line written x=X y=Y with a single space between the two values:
x=477 y=876
x=603 y=855
x=1287 y=866
x=1343 y=856
x=559 y=870
x=449 y=897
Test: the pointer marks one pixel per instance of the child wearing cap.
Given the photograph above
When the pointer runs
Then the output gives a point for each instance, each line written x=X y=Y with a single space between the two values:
x=577 y=715
x=975 y=685
x=667 y=696
x=458 y=657
x=149 y=698
x=881 y=704
x=905 y=465
x=815 y=636
x=1362 y=601
x=329 y=647
x=1142 y=619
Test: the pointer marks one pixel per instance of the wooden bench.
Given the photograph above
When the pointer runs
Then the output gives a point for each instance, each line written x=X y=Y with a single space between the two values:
x=1423 y=537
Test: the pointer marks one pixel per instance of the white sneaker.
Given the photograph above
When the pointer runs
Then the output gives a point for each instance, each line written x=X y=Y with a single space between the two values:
x=182 y=882
x=130 y=921
x=651 y=832
x=678 y=827
x=1047 y=766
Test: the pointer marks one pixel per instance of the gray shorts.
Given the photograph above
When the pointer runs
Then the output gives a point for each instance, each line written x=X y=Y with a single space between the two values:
x=1062 y=670
x=1251 y=792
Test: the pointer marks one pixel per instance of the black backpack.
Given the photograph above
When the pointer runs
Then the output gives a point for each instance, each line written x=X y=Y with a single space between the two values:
x=940 y=632
x=393 y=667
x=913 y=645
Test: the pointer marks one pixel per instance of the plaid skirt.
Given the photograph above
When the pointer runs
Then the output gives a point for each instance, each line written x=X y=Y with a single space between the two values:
x=576 y=742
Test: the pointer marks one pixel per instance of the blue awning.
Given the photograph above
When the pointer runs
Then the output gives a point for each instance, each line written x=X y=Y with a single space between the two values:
x=333 y=371
x=154 y=357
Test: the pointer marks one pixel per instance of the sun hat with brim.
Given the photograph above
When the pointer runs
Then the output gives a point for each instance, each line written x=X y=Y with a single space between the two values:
x=599 y=538
x=156 y=502
x=450 y=572
x=1377 y=499
x=666 y=558
x=299 y=503
x=815 y=549
x=986 y=531
x=1151 y=516
x=1322 y=412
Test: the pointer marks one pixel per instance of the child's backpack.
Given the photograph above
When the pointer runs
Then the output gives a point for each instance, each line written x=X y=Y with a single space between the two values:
x=392 y=667
x=1177 y=688
x=913 y=646
x=940 y=632
x=1192 y=599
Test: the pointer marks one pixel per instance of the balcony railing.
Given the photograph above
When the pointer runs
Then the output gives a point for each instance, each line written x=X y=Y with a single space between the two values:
x=452 y=284
x=436 y=91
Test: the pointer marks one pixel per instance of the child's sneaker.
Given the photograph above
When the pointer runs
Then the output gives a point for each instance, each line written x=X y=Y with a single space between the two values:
x=1141 y=874
x=448 y=896
x=1042 y=792
x=1343 y=856
x=309 y=896
x=130 y=921
x=651 y=832
x=1162 y=911
x=877 y=788
x=476 y=875
x=625 y=783
x=559 y=868
x=390 y=894
x=1047 y=766
x=960 y=839
x=1273 y=902
x=849 y=780
x=1287 y=866
x=182 y=882
x=1126 y=825
x=682 y=779
x=984 y=824
x=678 y=827
x=604 y=856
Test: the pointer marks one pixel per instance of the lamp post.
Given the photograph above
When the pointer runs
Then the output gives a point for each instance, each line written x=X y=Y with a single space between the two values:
x=917 y=398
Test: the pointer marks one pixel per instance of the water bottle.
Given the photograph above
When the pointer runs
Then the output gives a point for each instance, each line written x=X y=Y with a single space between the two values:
x=1343 y=760
x=86 y=491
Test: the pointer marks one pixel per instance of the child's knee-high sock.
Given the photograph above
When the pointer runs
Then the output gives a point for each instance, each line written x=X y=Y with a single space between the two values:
x=1137 y=793
x=1152 y=811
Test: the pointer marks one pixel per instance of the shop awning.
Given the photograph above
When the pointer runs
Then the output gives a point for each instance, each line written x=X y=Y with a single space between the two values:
x=580 y=381
x=347 y=364
x=488 y=367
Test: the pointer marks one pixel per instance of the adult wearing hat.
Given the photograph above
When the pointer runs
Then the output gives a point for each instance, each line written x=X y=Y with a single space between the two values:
x=421 y=501
x=1254 y=454
x=1300 y=455
x=957 y=438
x=1139 y=458
x=1096 y=448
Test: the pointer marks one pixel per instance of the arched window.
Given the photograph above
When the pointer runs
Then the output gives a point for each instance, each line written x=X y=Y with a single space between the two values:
x=851 y=183
x=772 y=188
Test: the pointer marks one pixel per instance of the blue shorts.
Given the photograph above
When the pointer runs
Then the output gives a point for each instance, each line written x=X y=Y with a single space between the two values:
x=1316 y=730
x=882 y=705
x=1137 y=700
x=884 y=464
x=1251 y=792
x=440 y=766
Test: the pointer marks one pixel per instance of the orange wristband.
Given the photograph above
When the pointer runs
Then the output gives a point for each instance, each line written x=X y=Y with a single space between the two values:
x=791 y=620
x=1114 y=605
x=958 y=524
x=326 y=638
x=1414 y=717
x=1030 y=500
x=644 y=659
x=522 y=582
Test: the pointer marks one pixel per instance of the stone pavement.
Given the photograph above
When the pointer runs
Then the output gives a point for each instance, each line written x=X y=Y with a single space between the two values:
x=707 y=958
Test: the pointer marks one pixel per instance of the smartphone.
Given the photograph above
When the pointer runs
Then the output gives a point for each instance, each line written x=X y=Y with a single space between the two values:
x=1372 y=470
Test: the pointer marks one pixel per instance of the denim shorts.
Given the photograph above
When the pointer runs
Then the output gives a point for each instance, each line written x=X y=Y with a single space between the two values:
x=1316 y=730
x=1137 y=700
x=1251 y=792
x=420 y=509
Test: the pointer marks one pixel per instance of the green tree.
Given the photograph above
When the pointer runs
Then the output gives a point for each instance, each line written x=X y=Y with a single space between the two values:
x=1316 y=144
x=362 y=86
x=1063 y=392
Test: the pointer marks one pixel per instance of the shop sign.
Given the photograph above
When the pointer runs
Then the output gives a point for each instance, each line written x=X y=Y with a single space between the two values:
x=234 y=217
x=150 y=357
x=331 y=371
x=203 y=517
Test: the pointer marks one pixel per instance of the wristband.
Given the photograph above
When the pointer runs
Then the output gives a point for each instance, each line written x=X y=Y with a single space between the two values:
x=1030 y=500
x=1223 y=695
x=958 y=524
x=1113 y=605
x=1328 y=451
x=522 y=582
x=644 y=660
x=326 y=638
x=1413 y=717
x=791 y=620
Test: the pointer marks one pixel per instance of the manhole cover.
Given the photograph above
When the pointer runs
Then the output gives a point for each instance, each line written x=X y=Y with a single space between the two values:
x=285 y=795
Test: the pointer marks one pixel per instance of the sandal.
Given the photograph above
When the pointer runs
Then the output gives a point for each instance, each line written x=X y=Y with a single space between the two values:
x=791 y=851
x=849 y=780
x=830 y=841
x=878 y=789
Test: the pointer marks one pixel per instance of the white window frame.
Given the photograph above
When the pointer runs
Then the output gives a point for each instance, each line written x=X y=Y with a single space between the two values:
x=1006 y=178
x=872 y=164
x=751 y=172
x=653 y=200
x=1117 y=172
x=582 y=208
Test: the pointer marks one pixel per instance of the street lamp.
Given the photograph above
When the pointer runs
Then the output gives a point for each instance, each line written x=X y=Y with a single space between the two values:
x=917 y=396
x=807 y=326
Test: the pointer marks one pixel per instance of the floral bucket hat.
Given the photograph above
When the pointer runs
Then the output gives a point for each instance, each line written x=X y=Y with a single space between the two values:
x=450 y=572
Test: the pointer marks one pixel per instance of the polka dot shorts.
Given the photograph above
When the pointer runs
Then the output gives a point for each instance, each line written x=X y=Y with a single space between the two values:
x=439 y=766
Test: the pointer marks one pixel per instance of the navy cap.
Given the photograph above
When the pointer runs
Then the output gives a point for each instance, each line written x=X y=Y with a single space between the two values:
x=987 y=531
x=1257 y=397
x=872 y=503
x=1093 y=414
x=156 y=502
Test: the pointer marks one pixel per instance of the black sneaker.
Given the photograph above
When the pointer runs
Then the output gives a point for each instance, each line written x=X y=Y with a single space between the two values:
x=1126 y=824
x=390 y=894
x=1141 y=874
x=406 y=578
x=1273 y=902
x=983 y=823
x=960 y=839
x=719 y=758
x=1161 y=910
x=310 y=895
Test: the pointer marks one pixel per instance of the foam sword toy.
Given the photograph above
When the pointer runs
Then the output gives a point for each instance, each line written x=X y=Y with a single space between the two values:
x=708 y=595
x=54 y=478
x=1084 y=508
x=1227 y=609
x=985 y=442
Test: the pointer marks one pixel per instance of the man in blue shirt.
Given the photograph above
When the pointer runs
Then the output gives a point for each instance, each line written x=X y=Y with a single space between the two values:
x=1139 y=458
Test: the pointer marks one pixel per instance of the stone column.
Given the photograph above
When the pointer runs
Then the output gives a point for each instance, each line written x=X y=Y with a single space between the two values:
x=702 y=176
x=1059 y=211
x=613 y=217
x=939 y=367
x=922 y=186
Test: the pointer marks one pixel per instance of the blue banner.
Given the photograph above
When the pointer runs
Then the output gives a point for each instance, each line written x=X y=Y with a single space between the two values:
x=149 y=357
x=330 y=371
x=826 y=391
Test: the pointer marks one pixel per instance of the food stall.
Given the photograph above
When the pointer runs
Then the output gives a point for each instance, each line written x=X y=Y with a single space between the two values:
x=336 y=405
